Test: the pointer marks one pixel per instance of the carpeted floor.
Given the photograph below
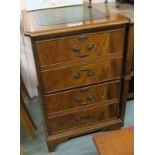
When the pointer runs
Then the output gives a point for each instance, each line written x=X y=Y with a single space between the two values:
x=82 y=145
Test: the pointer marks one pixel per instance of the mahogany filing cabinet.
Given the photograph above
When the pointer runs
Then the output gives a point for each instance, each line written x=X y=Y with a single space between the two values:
x=80 y=72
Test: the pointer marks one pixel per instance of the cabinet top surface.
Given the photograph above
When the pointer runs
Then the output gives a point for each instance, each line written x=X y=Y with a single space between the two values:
x=39 y=23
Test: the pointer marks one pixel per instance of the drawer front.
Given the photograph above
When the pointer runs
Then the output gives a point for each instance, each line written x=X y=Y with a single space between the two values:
x=83 y=117
x=83 y=96
x=79 y=47
x=59 y=79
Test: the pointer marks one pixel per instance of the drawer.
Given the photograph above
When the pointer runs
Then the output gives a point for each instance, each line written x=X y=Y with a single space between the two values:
x=79 y=47
x=82 y=96
x=63 y=78
x=83 y=117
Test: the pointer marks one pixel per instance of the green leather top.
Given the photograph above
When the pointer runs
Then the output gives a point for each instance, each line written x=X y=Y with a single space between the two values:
x=64 y=15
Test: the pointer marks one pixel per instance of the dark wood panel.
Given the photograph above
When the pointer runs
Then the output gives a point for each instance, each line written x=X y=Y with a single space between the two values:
x=80 y=47
x=83 y=117
x=129 y=69
x=129 y=47
x=83 y=96
x=131 y=89
x=59 y=79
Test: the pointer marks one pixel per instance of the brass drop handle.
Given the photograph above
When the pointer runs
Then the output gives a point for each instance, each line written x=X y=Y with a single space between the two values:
x=78 y=99
x=89 y=99
x=83 y=54
x=89 y=73
x=86 y=117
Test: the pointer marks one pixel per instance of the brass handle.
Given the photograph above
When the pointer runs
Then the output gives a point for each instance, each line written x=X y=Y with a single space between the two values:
x=81 y=103
x=89 y=73
x=86 y=117
x=83 y=89
x=83 y=54
x=78 y=99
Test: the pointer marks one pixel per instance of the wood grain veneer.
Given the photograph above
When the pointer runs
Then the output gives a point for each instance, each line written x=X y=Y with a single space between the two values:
x=79 y=98
x=63 y=78
x=83 y=117
x=71 y=48
x=130 y=59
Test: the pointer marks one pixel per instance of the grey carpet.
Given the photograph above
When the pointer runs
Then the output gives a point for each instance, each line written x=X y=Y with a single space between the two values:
x=82 y=145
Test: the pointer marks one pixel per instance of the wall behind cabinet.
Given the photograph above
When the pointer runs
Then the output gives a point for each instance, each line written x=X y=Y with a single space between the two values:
x=27 y=64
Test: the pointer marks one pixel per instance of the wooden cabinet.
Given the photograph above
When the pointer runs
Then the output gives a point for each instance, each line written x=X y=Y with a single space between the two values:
x=81 y=75
x=130 y=59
